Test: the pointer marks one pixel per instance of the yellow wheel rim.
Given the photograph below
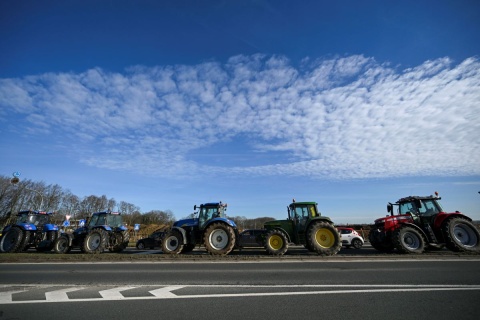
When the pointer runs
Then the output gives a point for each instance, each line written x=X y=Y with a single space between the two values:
x=325 y=238
x=275 y=242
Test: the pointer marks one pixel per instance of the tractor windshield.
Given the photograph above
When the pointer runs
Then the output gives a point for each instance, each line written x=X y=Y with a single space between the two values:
x=115 y=220
x=430 y=207
x=423 y=207
x=208 y=213
x=407 y=207
x=111 y=220
x=303 y=211
x=35 y=219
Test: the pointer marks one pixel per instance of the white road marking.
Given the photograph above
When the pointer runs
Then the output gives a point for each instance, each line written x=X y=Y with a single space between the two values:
x=166 y=292
x=114 y=294
x=60 y=295
x=6 y=297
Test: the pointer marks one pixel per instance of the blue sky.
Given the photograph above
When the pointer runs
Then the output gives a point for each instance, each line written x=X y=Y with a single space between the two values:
x=167 y=104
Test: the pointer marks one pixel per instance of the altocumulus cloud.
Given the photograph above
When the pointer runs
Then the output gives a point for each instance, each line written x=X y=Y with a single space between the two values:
x=341 y=118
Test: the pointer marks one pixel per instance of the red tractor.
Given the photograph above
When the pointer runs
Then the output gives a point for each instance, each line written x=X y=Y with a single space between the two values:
x=422 y=223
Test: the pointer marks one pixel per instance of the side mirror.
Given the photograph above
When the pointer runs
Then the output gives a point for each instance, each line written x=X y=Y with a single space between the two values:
x=195 y=207
x=389 y=208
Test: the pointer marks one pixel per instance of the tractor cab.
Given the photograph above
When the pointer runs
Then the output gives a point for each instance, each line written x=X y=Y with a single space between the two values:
x=35 y=218
x=110 y=219
x=209 y=211
x=426 y=212
x=300 y=213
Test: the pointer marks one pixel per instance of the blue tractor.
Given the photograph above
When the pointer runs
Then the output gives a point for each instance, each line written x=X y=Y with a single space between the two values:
x=31 y=228
x=103 y=230
x=211 y=228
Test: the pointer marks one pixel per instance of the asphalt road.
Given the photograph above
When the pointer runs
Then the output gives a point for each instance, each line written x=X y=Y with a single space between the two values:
x=353 y=285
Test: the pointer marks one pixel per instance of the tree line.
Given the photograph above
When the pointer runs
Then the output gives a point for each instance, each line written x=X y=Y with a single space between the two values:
x=38 y=196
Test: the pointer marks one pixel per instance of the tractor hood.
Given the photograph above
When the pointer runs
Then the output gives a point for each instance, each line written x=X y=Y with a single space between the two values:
x=186 y=222
x=275 y=223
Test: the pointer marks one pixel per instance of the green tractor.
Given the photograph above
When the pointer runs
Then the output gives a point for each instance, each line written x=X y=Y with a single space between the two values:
x=304 y=226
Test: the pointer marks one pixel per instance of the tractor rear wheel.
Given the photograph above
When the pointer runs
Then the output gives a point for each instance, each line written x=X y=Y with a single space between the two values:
x=461 y=235
x=219 y=239
x=324 y=238
x=276 y=243
x=12 y=240
x=95 y=241
x=61 y=245
x=408 y=240
x=173 y=242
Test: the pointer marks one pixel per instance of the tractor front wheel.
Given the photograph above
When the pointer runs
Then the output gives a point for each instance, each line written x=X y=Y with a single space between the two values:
x=408 y=240
x=219 y=239
x=120 y=241
x=61 y=245
x=461 y=235
x=173 y=242
x=324 y=238
x=12 y=240
x=95 y=241
x=276 y=243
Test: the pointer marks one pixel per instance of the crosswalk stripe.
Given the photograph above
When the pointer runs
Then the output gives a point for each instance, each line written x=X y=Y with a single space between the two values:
x=60 y=295
x=114 y=294
x=6 y=296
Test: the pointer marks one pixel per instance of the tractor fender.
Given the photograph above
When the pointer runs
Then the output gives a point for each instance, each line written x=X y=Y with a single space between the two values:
x=321 y=219
x=442 y=218
x=27 y=226
x=6 y=229
x=224 y=220
x=183 y=232
x=412 y=225
x=50 y=227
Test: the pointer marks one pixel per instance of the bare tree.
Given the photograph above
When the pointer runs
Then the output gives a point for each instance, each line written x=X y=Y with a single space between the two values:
x=130 y=212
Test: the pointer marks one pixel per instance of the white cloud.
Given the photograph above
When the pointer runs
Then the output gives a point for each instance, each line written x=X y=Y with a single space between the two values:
x=347 y=117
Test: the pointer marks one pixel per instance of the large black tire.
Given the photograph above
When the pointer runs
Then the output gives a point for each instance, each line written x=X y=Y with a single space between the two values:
x=276 y=243
x=378 y=244
x=408 y=240
x=61 y=245
x=324 y=238
x=461 y=235
x=173 y=242
x=12 y=240
x=219 y=239
x=26 y=240
x=120 y=241
x=95 y=241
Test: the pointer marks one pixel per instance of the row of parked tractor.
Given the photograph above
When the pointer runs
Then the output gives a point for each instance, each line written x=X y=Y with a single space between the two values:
x=417 y=224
